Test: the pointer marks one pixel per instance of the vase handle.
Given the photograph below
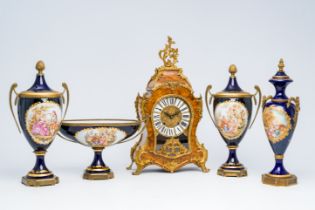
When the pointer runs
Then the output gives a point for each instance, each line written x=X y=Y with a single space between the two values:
x=296 y=101
x=208 y=102
x=258 y=91
x=265 y=99
x=66 y=90
x=12 y=90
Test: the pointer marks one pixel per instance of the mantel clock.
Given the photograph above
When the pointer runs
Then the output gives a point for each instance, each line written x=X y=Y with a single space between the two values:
x=171 y=113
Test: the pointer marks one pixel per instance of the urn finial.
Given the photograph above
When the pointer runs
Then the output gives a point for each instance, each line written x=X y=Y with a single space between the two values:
x=233 y=70
x=40 y=67
x=281 y=65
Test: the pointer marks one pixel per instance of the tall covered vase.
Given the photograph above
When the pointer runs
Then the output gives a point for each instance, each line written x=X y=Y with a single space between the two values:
x=40 y=113
x=280 y=114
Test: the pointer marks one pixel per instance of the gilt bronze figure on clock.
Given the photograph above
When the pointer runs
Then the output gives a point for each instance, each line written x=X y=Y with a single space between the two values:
x=171 y=113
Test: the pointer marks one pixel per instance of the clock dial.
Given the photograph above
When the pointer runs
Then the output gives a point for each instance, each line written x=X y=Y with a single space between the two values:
x=171 y=116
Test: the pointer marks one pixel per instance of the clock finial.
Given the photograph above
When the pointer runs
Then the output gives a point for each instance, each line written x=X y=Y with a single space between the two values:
x=169 y=55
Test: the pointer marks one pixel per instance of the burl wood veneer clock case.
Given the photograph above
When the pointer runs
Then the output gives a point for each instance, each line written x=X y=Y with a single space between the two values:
x=171 y=113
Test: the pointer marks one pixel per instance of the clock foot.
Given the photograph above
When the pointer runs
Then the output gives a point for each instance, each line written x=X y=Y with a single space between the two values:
x=130 y=166
x=203 y=167
x=138 y=170
x=132 y=151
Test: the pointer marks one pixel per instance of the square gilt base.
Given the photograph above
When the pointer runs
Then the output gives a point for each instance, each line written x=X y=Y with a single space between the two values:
x=40 y=182
x=232 y=173
x=98 y=176
x=278 y=180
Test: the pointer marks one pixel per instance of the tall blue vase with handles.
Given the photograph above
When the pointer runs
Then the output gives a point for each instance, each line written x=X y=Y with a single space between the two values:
x=232 y=113
x=280 y=114
x=40 y=113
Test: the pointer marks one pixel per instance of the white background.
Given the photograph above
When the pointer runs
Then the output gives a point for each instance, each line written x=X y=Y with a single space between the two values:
x=107 y=51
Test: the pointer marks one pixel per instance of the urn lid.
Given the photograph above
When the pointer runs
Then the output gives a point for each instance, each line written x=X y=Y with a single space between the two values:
x=232 y=89
x=40 y=89
x=281 y=76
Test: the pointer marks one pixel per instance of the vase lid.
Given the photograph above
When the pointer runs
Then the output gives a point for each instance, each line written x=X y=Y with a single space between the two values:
x=40 y=89
x=281 y=76
x=232 y=89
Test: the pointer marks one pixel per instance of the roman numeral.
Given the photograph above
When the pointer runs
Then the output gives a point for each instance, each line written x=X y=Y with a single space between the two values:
x=183 y=123
x=178 y=103
x=171 y=132
x=183 y=109
x=157 y=109
x=179 y=129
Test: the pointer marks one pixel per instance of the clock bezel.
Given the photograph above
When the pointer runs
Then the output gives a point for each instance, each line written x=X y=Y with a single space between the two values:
x=186 y=130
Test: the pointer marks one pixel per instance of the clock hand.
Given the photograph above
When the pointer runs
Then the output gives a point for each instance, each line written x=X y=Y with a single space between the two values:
x=175 y=114
x=167 y=114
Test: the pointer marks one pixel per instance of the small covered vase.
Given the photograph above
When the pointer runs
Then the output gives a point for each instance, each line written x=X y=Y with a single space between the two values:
x=280 y=114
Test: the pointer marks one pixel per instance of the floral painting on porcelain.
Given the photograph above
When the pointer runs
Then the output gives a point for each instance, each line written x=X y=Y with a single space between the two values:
x=43 y=121
x=100 y=137
x=276 y=122
x=231 y=118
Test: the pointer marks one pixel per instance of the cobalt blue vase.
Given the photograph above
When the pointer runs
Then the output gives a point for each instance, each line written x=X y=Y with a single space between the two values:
x=280 y=114
x=39 y=111
x=232 y=110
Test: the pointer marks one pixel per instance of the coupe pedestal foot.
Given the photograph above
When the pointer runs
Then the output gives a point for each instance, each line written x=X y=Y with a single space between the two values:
x=98 y=176
x=39 y=182
x=232 y=171
x=279 y=180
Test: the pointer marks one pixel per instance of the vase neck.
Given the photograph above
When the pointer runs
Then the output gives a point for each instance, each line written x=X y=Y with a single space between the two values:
x=280 y=87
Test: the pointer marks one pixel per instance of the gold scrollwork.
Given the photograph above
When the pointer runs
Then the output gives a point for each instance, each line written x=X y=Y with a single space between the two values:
x=169 y=55
x=172 y=148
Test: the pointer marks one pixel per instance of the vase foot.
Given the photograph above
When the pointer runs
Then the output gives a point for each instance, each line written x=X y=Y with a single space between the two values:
x=39 y=182
x=279 y=180
x=236 y=170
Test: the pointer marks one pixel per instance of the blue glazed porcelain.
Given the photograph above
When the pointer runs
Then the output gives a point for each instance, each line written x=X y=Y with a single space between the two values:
x=280 y=114
x=99 y=134
x=232 y=110
x=39 y=118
